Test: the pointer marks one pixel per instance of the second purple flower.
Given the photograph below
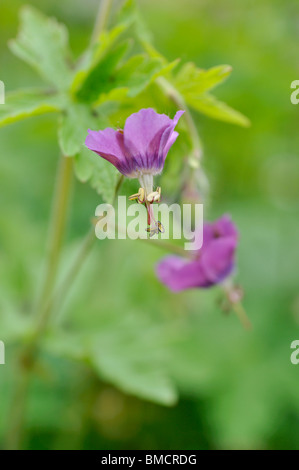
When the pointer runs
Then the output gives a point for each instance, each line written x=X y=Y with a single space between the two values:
x=209 y=266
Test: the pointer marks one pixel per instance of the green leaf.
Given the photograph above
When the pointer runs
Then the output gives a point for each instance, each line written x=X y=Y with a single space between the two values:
x=124 y=357
x=22 y=104
x=152 y=51
x=113 y=355
x=209 y=105
x=43 y=43
x=74 y=123
x=93 y=55
x=131 y=16
x=14 y=327
x=118 y=95
x=127 y=13
x=100 y=79
x=101 y=174
x=72 y=132
x=143 y=380
x=102 y=47
x=166 y=68
x=103 y=70
x=137 y=73
x=194 y=83
x=128 y=79
x=193 y=80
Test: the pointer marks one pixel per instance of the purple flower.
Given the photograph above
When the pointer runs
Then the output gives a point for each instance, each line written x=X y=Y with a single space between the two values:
x=138 y=151
x=210 y=265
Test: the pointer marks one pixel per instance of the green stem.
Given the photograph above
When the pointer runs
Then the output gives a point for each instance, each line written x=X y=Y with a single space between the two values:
x=60 y=295
x=57 y=228
x=166 y=246
x=101 y=19
x=117 y=188
x=59 y=214
x=14 y=433
x=242 y=315
x=176 y=97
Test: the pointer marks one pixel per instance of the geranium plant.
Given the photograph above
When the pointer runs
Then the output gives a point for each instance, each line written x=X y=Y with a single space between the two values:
x=135 y=104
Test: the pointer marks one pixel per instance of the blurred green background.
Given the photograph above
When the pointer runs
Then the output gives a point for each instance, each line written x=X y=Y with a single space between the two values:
x=237 y=389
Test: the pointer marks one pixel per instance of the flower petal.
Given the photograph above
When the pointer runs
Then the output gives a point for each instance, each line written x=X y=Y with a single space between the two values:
x=143 y=145
x=180 y=273
x=143 y=131
x=169 y=135
x=223 y=227
x=109 y=144
x=217 y=260
x=171 y=140
x=211 y=264
x=148 y=137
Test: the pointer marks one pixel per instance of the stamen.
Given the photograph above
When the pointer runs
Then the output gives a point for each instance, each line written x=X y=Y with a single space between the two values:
x=154 y=196
x=139 y=196
x=148 y=198
x=133 y=197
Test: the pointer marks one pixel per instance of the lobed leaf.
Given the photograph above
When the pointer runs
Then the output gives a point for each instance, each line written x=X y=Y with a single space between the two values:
x=93 y=55
x=191 y=79
x=101 y=175
x=194 y=85
x=142 y=380
x=101 y=77
x=76 y=119
x=210 y=106
x=42 y=42
x=137 y=73
x=122 y=354
x=22 y=104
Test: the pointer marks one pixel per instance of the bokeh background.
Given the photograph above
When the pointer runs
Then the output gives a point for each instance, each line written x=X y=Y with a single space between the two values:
x=237 y=389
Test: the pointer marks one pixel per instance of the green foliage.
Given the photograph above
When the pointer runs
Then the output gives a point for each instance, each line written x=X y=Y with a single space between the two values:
x=120 y=355
x=101 y=175
x=237 y=389
x=94 y=54
x=194 y=81
x=101 y=75
x=209 y=105
x=118 y=71
x=15 y=326
x=43 y=44
x=194 y=84
x=74 y=122
x=22 y=104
